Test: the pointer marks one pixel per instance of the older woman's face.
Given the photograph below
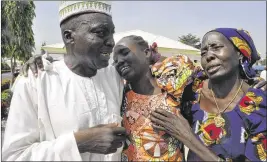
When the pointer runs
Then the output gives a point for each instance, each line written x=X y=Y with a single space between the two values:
x=130 y=60
x=219 y=58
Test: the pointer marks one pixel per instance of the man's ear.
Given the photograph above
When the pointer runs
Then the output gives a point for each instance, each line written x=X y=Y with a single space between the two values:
x=68 y=36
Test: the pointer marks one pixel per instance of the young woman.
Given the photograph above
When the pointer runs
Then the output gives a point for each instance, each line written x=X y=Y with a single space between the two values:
x=132 y=59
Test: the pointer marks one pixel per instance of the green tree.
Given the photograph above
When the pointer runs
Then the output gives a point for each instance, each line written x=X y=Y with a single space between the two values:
x=17 y=38
x=4 y=35
x=191 y=40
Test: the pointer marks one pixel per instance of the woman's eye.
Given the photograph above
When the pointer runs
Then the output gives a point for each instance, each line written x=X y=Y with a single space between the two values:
x=203 y=53
x=100 y=33
x=217 y=47
x=125 y=53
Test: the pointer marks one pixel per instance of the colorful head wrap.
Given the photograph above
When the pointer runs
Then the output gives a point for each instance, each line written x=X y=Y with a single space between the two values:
x=242 y=40
x=174 y=74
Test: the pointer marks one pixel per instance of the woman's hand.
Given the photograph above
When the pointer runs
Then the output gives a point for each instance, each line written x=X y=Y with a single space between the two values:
x=174 y=124
x=35 y=63
x=177 y=126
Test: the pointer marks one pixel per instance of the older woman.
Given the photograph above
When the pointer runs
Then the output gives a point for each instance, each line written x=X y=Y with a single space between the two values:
x=229 y=116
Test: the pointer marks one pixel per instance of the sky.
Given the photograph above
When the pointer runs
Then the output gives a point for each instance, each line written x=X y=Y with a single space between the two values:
x=167 y=18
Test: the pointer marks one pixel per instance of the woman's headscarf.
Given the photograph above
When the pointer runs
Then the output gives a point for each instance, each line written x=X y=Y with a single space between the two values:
x=174 y=74
x=243 y=42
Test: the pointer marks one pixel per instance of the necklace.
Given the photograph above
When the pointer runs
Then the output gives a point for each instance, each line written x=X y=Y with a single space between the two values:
x=218 y=119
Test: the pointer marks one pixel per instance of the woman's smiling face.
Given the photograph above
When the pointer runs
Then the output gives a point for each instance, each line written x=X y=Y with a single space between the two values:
x=130 y=59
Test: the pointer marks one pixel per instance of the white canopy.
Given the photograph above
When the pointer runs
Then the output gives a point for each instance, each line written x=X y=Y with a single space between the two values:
x=166 y=45
x=160 y=40
x=57 y=45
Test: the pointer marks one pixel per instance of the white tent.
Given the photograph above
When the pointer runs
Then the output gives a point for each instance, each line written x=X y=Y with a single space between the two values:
x=57 y=45
x=58 y=48
x=162 y=41
x=167 y=46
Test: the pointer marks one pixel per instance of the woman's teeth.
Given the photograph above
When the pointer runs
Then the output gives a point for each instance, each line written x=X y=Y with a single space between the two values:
x=124 y=68
x=105 y=54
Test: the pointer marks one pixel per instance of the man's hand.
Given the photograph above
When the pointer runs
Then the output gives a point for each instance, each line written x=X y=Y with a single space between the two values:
x=101 y=139
x=34 y=63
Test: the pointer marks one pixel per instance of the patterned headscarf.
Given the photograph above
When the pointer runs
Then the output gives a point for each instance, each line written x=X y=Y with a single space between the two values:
x=174 y=74
x=242 y=40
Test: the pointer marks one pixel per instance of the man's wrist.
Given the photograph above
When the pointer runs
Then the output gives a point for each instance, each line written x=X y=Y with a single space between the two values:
x=83 y=135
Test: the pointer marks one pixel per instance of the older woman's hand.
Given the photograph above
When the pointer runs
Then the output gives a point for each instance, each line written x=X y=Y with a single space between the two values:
x=174 y=124
x=177 y=126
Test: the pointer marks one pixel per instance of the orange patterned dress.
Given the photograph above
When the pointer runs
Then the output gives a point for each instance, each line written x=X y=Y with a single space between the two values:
x=144 y=143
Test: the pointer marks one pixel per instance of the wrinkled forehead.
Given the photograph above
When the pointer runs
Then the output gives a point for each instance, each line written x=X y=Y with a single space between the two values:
x=214 y=38
x=94 y=19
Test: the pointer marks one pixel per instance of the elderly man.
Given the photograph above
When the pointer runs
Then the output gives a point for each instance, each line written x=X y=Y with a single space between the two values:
x=70 y=112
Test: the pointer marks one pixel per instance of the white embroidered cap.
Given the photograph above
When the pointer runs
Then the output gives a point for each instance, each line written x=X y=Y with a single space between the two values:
x=71 y=8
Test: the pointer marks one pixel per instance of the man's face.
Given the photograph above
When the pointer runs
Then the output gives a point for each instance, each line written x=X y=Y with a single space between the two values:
x=92 y=40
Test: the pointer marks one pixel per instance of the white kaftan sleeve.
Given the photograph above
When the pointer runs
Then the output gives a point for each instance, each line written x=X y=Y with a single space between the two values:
x=22 y=134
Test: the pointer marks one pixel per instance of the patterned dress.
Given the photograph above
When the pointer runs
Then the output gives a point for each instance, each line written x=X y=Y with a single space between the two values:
x=244 y=133
x=144 y=143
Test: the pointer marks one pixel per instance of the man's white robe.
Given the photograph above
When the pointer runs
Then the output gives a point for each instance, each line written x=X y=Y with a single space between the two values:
x=45 y=111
